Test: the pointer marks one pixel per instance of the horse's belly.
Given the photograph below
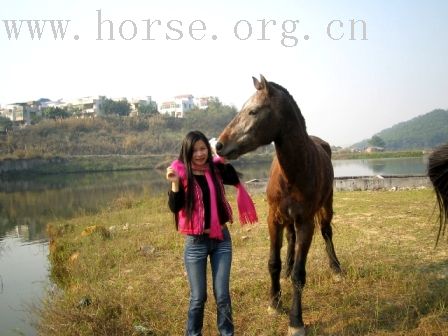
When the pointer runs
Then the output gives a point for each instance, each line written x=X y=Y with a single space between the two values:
x=287 y=210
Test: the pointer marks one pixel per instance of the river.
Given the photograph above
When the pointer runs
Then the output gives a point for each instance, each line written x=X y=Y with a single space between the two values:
x=27 y=205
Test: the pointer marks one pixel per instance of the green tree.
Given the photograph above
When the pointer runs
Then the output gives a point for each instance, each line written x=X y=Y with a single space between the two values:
x=55 y=113
x=74 y=110
x=119 y=108
x=5 y=123
x=376 y=141
x=145 y=109
x=211 y=120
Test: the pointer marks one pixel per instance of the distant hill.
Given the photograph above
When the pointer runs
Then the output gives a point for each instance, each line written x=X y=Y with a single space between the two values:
x=423 y=132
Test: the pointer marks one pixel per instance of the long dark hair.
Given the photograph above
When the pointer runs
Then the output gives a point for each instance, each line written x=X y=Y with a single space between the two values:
x=438 y=174
x=186 y=155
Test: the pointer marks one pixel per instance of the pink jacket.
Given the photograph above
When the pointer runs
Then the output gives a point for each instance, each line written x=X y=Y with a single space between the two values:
x=196 y=225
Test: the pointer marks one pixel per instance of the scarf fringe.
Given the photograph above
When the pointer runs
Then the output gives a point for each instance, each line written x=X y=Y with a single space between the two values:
x=246 y=208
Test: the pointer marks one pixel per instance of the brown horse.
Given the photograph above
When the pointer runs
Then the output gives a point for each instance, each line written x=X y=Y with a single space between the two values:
x=300 y=188
x=438 y=174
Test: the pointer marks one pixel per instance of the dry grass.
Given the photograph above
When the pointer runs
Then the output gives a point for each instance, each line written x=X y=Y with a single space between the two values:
x=132 y=281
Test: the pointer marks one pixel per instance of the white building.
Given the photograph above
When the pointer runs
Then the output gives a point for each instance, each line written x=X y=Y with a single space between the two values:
x=51 y=103
x=87 y=106
x=21 y=112
x=13 y=112
x=182 y=104
x=136 y=102
x=201 y=102
x=93 y=105
x=178 y=106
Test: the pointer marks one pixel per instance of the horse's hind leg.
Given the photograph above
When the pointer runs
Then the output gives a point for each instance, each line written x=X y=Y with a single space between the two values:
x=275 y=263
x=327 y=234
x=304 y=237
x=291 y=238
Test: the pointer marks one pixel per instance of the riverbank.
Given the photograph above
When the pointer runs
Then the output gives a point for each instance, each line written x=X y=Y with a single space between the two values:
x=43 y=165
x=98 y=163
x=345 y=155
x=120 y=272
x=79 y=164
x=363 y=183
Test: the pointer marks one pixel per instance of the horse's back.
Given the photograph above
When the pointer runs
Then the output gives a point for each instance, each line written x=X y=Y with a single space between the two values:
x=322 y=163
x=322 y=143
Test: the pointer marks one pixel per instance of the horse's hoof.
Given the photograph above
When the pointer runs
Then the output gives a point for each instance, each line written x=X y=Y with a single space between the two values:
x=273 y=311
x=296 y=331
x=337 y=277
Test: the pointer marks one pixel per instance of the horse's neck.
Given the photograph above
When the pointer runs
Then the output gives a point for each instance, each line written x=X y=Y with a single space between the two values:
x=294 y=146
x=293 y=153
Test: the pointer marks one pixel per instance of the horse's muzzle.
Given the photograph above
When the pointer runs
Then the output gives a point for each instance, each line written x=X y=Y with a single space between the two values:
x=228 y=151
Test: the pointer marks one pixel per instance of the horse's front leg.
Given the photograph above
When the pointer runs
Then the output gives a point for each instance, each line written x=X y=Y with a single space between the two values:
x=275 y=263
x=304 y=236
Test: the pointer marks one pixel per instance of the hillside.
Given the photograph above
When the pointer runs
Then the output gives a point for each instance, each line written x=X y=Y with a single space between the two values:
x=144 y=135
x=426 y=131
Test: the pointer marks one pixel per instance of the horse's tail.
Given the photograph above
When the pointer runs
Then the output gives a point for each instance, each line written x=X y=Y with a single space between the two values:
x=438 y=174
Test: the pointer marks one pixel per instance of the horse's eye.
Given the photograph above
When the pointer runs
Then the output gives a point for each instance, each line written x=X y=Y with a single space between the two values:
x=253 y=112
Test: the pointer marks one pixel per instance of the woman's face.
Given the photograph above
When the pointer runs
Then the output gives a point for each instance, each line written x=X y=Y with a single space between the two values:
x=200 y=153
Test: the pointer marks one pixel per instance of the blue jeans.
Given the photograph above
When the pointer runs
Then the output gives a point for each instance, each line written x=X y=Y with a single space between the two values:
x=197 y=249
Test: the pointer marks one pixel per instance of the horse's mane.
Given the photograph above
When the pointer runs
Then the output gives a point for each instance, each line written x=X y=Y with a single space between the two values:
x=293 y=102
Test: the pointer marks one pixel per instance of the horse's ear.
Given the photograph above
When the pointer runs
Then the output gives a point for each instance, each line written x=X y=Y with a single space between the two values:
x=262 y=84
x=257 y=84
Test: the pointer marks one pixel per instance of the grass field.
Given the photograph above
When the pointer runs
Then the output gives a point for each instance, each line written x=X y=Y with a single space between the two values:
x=120 y=272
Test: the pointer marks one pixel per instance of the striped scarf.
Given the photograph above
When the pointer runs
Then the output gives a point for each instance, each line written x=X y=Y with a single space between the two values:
x=246 y=208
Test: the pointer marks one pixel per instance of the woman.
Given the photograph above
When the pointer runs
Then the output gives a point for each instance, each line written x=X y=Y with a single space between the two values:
x=197 y=198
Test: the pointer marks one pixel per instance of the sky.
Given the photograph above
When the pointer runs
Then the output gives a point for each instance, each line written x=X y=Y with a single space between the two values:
x=353 y=67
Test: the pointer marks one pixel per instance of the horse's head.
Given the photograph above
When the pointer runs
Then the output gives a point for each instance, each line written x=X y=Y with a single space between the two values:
x=257 y=123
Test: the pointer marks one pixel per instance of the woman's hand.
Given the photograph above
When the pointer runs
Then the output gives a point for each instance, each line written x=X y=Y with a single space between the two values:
x=171 y=175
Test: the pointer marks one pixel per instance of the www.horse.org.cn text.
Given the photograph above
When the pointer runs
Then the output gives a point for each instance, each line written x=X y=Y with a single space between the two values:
x=288 y=32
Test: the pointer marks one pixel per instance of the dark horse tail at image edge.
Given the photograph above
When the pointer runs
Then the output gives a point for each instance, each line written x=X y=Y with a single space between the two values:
x=438 y=174
x=300 y=187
